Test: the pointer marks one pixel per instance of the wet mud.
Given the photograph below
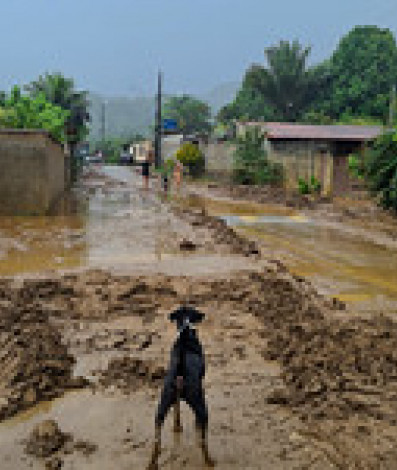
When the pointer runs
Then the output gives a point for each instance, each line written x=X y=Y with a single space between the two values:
x=35 y=364
x=294 y=379
x=335 y=373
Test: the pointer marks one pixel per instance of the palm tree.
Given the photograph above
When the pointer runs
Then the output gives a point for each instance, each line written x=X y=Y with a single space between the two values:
x=286 y=82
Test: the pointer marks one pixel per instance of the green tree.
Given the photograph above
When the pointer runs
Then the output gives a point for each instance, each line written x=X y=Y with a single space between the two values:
x=192 y=115
x=251 y=163
x=24 y=112
x=286 y=83
x=363 y=70
x=249 y=105
x=61 y=92
x=381 y=169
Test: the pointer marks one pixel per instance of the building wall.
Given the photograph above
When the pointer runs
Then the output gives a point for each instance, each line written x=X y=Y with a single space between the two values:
x=300 y=159
x=304 y=159
x=32 y=172
x=219 y=158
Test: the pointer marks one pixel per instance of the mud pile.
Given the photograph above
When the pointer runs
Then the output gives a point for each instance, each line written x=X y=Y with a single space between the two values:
x=97 y=295
x=332 y=368
x=48 y=443
x=221 y=233
x=34 y=364
x=129 y=374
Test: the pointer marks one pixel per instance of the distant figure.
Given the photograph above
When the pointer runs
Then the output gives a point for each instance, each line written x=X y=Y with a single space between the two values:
x=125 y=156
x=165 y=183
x=145 y=170
x=178 y=172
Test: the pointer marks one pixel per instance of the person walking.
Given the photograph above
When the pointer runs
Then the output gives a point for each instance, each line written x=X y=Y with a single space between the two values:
x=178 y=172
x=145 y=170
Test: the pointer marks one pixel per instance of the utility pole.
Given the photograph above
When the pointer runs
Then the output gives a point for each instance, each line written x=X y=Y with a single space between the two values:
x=103 y=121
x=158 y=126
x=392 y=107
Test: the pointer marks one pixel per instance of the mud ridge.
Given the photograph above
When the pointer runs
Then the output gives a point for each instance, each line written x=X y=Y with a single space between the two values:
x=222 y=234
x=34 y=363
x=129 y=374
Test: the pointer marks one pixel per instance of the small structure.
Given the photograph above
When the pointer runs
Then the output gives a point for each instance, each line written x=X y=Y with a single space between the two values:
x=170 y=144
x=141 y=150
x=34 y=172
x=321 y=151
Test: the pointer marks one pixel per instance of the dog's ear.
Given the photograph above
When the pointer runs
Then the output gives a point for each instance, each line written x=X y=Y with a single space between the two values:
x=195 y=316
x=176 y=314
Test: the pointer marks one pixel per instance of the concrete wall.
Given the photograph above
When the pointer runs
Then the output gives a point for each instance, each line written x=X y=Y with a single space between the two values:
x=304 y=159
x=219 y=158
x=33 y=172
x=300 y=159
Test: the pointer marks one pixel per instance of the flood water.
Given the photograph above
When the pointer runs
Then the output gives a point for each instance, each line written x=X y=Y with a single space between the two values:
x=103 y=225
x=338 y=263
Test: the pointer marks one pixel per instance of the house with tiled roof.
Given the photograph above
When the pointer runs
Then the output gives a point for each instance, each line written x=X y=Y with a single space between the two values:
x=321 y=151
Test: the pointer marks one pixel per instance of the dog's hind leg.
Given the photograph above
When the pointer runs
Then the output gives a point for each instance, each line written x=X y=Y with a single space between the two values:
x=177 y=406
x=153 y=465
x=202 y=436
x=166 y=401
x=177 y=416
x=196 y=401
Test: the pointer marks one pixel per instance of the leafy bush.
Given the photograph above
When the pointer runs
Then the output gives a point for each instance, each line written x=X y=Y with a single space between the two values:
x=313 y=186
x=381 y=169
x=303 y=186
x=356 y=168
x=251 y=165
x=191 y=156
x=23 y=112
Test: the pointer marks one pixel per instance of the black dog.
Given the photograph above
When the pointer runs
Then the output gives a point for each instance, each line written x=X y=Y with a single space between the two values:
x=184 y=380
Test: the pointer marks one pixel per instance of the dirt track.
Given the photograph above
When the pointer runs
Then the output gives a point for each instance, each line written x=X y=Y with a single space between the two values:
x=292 y=382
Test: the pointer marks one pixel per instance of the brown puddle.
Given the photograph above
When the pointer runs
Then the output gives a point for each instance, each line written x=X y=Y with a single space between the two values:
x=347 y=267
x=31 y=244
x=221 y=206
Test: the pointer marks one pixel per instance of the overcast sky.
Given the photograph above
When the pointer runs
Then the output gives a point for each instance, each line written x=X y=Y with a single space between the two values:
x=115 y=47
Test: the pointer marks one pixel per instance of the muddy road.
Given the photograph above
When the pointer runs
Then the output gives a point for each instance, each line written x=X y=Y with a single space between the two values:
x=294 y=380
x=348 y=253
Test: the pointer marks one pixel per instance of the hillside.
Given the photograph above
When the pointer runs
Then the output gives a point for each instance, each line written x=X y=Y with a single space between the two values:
x=126 y=116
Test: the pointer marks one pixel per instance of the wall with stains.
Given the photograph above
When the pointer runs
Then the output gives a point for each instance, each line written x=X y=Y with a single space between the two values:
x=33 y=172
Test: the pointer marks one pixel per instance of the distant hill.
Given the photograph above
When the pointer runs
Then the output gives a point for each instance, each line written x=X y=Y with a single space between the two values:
x=126 y=116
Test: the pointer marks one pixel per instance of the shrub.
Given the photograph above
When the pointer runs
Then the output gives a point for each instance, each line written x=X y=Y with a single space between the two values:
x=381 y=169
x=251 y=165
x=191 y=156
x=303 y=186
x=313 y=186
x=355 y=167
